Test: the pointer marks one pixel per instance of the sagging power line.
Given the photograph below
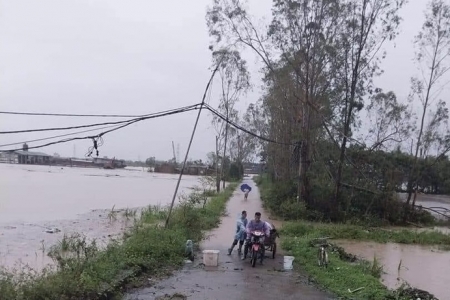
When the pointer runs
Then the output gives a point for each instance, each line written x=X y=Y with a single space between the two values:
x=145 y=117
x=97 y=137
x=241 y=128
x=69 y=115
x=56 y=136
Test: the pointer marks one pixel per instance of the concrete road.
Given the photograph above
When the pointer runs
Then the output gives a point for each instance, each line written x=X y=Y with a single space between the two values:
x=233 y=278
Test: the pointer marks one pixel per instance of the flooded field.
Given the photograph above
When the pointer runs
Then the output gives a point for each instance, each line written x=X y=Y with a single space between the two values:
x=34 y=199
x=440 y=204
x=422 y=267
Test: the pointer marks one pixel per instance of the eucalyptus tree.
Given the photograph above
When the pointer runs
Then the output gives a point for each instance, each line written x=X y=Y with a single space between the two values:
x=432 y=57
x=234 y=82
x=366 y=26
x=388 y=121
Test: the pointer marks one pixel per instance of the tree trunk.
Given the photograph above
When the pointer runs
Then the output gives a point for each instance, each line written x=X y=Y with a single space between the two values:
x=414 y=170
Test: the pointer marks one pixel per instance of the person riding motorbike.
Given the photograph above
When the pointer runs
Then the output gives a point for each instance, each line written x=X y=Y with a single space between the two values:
x=252 y=226
x=246 y=194
x=240 y=233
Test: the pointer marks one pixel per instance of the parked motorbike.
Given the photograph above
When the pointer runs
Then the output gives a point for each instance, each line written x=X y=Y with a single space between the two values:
x=257 y=249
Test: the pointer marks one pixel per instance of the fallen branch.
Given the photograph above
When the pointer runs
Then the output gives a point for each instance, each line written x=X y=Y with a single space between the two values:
x=354 y=291
x=417 y=225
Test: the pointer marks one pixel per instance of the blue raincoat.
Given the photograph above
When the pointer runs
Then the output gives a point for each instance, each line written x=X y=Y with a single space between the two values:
x=241 y=225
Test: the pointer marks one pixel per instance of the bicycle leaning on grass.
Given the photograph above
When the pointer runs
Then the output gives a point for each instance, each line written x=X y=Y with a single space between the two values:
x=322 y=253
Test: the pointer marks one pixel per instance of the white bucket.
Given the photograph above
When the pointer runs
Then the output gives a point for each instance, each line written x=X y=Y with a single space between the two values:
x=211 y=258
x=287 y=264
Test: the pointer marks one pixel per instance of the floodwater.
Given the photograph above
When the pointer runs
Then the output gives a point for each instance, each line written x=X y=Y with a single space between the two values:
x=234 y=278
x=36 y=198
x=425 y=268
x=439 y=203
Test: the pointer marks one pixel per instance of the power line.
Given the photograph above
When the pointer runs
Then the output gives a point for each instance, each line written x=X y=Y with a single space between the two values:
x=148 y=116
x=100 y=135
x=69 y=115
x=56 y=136
x=241 y=128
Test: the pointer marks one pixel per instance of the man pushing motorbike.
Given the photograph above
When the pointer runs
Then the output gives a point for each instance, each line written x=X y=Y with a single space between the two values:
x=253 y=225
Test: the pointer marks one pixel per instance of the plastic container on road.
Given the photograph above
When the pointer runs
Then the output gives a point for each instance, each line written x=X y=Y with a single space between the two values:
x=211 y=258
x=287 y=264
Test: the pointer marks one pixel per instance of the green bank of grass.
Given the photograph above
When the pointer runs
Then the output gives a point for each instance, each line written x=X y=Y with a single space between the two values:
x=85 y=272
x=344 y=272
x=340 y=276
x=376 y=234
x=347 y=280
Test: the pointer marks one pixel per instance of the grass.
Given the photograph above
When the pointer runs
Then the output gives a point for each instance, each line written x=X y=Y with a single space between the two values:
x=85 y=272
x=347 y=277
x=376 y=234
x=340 y=276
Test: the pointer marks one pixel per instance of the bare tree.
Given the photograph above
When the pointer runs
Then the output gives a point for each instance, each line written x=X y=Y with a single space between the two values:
x=235 y=82
x=389 y=121
x=432 y=57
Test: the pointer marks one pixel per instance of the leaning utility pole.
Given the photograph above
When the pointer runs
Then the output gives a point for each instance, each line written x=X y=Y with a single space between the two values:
x=217 y=165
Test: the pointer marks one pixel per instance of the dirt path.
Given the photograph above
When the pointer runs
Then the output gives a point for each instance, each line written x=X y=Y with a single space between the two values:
x=234 y=279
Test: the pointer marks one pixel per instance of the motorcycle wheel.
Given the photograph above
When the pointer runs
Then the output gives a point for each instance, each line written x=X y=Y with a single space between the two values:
x=254 y=257
x=274 y=250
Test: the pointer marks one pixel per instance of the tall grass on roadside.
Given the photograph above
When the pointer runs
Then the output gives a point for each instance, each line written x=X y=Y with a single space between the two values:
x=83 y=271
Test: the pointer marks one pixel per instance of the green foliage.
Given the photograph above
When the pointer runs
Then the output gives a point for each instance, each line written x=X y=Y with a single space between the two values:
x=236 y=171
x=86 y=272
x=340 y=276
x=354 y=232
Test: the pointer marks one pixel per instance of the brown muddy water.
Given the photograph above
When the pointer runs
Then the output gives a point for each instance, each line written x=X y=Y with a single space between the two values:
x=422 y=267
x=34 y=199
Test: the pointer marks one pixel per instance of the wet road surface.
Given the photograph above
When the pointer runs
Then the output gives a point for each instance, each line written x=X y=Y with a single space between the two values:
x=233 y=278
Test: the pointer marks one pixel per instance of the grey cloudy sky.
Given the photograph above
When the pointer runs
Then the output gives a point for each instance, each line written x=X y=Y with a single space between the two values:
x=130 y=57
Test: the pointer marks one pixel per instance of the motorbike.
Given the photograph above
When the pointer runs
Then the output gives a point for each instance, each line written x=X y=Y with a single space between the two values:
x=257 y=249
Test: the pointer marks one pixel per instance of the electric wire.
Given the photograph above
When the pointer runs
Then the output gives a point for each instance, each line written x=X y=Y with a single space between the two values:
x=241 y=128
x=148 y=116
x=56 y=136
x=69 y=115
x=100 y=135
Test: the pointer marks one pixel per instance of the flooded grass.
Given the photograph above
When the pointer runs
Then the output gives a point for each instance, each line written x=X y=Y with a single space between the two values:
x=347 y=276
x=347 y=280
x=376 y=234
x=85 y=272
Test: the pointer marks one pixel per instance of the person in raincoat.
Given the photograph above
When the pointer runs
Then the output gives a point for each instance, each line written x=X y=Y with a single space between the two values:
x=240 y=234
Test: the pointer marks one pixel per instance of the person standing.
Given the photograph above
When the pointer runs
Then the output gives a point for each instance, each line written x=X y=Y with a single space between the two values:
x=240 y=234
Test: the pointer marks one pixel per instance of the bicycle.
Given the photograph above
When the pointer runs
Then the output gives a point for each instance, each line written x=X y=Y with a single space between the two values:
x=322 y=253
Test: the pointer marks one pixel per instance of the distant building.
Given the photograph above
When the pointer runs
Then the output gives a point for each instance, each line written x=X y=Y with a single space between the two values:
x=25 y=157
x=253 y=168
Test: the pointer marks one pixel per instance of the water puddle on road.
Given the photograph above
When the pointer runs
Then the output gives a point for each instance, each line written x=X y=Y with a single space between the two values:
x=423 y=267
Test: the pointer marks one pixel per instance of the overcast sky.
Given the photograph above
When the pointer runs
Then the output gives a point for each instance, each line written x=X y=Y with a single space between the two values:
x=130 y=57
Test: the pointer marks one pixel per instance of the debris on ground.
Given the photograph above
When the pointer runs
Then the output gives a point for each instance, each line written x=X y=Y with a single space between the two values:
x=413 y=293
x=52 y=230
x=175 y=296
